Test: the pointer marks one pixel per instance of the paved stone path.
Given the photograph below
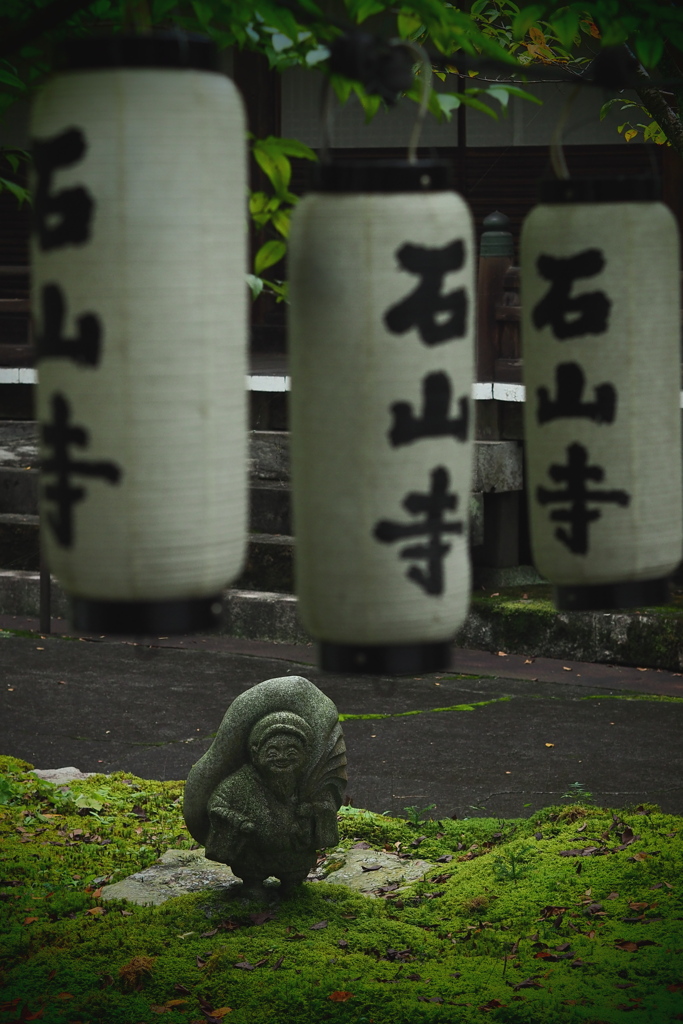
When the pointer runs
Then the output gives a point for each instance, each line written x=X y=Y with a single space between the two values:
x=495 y=736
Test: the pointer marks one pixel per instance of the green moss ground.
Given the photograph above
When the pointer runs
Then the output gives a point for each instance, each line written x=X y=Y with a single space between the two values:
x=504 y=929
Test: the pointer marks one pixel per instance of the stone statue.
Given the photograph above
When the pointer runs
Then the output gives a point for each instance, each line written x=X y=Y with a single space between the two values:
x=264 y=797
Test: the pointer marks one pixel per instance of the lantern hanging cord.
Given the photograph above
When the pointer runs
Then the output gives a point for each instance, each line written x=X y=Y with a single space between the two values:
x=557 y=157
x=326 y=119
x=426 y=66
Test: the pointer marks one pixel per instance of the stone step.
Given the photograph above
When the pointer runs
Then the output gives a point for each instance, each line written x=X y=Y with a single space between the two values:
x=250 y=614
x=18 y=490
x=497 y=470
x=19 y=547
x=269 y=563
x=269 y=500
x=509 y=622
x=498 y=465
x=270 y=507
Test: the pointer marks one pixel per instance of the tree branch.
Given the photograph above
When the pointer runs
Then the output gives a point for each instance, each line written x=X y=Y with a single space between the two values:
x=666 y=116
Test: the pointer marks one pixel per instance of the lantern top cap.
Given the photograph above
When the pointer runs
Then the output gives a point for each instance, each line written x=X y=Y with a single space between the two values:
x=599 y=190
x=147 y=50
x=384 y=176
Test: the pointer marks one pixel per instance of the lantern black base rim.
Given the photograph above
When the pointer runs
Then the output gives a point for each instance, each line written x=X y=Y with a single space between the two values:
x=606 y=596
x=385 y=659
x=141 y=618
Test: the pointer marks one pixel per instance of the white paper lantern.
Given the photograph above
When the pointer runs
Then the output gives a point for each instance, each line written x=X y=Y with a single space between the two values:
x=139 y=298
x=381 y=348
x=601 y=343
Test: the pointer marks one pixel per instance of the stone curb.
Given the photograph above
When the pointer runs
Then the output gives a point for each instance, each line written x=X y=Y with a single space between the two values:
x=650 y=639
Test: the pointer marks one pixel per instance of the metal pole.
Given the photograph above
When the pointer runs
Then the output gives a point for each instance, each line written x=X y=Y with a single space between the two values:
x=462 y=141
x=45 y=595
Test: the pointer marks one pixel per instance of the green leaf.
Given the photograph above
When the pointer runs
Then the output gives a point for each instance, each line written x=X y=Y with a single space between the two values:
x=22 y=194
x=514 y=90
x=100 y=9
x=281 y=42
x=447 y=102
x=317 y=55
x=434 y=13
x=278 y=17
x=274 y=164
x=649 y=49
x=204 y=12
x=502 y=95
x=606 y=107
x=342 y=87
x=256 y=285
x=565 y=25
x=89 y=801
x=408 y=25
x=10 y=792
x=290 y=147
x=280 y=289
x=160 y=8
x=476 y=104
x=370 y=104
x=281 y=222
x=523 y=21
x=612 y=33
x=365 y=8
x=311 y=7
x=653 y=133
x=270 y=253
x=258 y=202
x=10 y=79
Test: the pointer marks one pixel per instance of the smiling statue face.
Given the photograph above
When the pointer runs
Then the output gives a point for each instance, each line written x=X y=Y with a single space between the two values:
x=281 y=754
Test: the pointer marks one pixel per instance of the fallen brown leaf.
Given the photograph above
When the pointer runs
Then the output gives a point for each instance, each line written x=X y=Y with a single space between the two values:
x=262 y=917
x=246 y=966
x=340 y=996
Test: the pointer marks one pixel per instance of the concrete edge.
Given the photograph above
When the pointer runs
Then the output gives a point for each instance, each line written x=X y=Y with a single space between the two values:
x=634 y=638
